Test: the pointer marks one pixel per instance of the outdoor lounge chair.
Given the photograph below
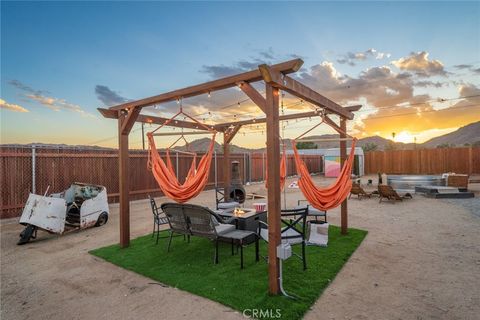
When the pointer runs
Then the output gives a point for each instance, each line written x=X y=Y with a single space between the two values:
x=194 y=220
x=389 y=193
x=293 y=229
x=358 y=191
x=159 y=218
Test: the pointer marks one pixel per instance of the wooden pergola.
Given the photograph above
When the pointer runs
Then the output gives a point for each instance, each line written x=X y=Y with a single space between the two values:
x=276 y=78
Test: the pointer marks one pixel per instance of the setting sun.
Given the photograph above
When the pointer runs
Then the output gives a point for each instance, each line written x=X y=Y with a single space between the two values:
x=405 y=137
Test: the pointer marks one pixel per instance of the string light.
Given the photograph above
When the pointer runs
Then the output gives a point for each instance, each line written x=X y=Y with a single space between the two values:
x=209 y=94
x=238 y=103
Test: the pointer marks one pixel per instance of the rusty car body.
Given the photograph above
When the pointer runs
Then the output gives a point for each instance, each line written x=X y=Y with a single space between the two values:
x=78 y=207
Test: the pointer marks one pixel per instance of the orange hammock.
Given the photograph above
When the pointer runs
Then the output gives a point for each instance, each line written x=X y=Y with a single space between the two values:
x=331 y=196
x=283 y=171
x=195 y=181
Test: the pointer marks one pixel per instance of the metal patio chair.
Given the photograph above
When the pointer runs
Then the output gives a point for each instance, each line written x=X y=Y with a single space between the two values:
x=314 y=212
x=220 y=202
x=159 y=218
x=294 y=230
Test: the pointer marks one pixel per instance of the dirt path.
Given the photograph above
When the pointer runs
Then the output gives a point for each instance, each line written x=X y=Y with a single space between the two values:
x=421 y=260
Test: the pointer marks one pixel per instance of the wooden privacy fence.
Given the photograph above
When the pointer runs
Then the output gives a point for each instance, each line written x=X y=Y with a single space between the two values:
x=25 y=170
x=424 y=161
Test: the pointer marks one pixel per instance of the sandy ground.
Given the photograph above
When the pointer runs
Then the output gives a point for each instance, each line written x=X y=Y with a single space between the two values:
x=420 y=260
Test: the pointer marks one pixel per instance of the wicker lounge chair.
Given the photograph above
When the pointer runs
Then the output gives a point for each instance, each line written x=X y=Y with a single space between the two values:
x=193 y=220
x=358 y=191
x=293 y=230
x=389 y=193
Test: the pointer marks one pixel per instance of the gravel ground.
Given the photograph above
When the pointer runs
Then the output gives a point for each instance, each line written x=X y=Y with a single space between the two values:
x=472 y=204
x=420 y=260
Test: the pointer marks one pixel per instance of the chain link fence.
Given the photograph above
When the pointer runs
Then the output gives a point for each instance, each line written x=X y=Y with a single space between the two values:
x=42 y=169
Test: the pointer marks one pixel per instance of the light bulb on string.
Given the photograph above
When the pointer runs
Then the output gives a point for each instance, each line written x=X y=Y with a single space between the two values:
x=209 y=94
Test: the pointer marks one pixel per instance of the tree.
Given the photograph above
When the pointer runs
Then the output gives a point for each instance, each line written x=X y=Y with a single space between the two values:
x=369 y=146
x=476 y=144
x=390 y=146
x=306 y=145
x=445 y=145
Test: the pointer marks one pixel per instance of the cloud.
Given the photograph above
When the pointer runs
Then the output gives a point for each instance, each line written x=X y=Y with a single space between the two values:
x=220 y=71
x=351 y=58
x=379 y=86
x=21 y=86
x=427 y=83
x=462 y=66
x=388 y=94
x=420 y=64
x=268 y=56
x=108 y=96
x=11 y=106
x=422 y=117
x=39 y=96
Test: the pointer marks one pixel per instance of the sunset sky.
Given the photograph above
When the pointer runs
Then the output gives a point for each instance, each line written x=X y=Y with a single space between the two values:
x=415 y=67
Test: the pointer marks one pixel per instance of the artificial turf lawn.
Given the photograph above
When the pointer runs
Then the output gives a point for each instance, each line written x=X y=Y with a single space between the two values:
x=189 y=267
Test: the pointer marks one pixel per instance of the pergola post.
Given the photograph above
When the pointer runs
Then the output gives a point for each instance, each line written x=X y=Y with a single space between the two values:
x=273 y=183
x=343 y=158
x=123 y=173
x=226 y=166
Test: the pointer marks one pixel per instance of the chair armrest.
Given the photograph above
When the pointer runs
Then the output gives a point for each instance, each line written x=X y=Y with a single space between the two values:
x=229 y=220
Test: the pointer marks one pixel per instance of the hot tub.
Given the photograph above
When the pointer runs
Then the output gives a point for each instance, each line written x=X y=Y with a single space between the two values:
x=407 y=183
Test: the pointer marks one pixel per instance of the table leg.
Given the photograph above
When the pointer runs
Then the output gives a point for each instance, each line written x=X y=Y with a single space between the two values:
x=257 y=256
x=241 y=255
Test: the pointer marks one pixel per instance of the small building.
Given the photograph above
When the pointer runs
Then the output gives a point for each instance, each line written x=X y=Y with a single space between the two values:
x=331 y=162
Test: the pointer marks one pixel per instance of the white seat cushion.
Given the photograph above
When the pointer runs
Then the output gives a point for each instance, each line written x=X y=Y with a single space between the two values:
x=224 y=227
x=290 y=232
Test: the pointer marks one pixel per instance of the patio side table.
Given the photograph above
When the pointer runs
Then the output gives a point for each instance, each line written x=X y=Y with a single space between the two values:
x=242 y=238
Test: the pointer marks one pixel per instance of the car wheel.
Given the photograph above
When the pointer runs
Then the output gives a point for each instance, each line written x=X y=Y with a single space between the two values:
x=102 y=219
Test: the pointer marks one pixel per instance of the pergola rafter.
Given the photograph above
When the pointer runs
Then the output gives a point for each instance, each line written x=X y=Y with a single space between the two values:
x=276 y=79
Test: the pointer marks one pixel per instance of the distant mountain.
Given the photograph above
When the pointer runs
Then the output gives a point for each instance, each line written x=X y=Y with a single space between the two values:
x=53 y=145
x=467 y=134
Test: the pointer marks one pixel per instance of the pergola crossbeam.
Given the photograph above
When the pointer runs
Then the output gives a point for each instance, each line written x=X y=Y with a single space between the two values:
x=300 y=90
x=222 y=126
x=112 y=114
x=207 y=87
x=254 y=95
